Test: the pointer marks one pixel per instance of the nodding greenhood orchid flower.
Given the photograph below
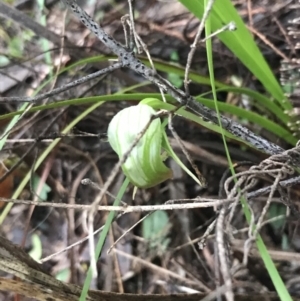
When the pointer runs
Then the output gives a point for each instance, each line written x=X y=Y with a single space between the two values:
x=144 y=166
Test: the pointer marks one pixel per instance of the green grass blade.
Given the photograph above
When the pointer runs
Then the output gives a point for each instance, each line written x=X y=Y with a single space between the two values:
x=264 y=101
x=270 y=266
x=197 y=78
x=240 y=42
x=102 y=238
x=253 y=117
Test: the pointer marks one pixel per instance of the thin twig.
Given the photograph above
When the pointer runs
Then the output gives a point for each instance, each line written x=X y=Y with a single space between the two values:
x=194 y=45
x=61 y=89
x=225 y=270
x=205 y=203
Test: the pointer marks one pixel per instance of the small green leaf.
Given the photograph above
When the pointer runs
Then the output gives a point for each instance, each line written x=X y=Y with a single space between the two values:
x=174 y=78
x=285 y=242
x=274 y=211
x=63 y=275
x=4 y=60
x=144 y=166
x=15 y=47
x=36 y=252
x=155 y=228
x=45 y=189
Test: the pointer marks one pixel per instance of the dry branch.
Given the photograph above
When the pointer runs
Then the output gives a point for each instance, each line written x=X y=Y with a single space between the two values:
x=37 y=284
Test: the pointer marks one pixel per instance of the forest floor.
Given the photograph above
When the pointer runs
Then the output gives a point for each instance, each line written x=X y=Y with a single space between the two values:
x=160 y=255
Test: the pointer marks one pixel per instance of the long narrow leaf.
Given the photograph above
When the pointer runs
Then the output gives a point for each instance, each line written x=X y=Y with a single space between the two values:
x=240 y=42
